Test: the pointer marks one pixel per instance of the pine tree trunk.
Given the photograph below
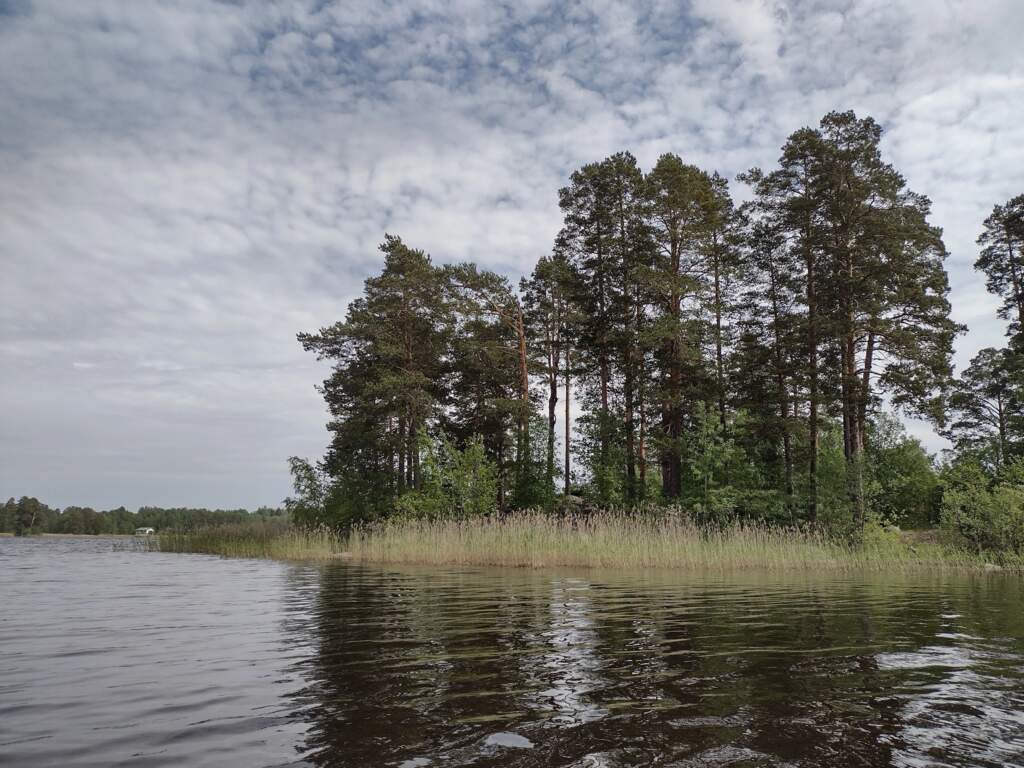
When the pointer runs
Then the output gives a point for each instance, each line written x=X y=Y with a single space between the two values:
x=865 y=388
x=568 y=423
x=787 y=449
x=410 y=454
x=851 y=422
x=665 y=458
x=671 y=469
x=605 y=437
x=402 y=451
x=630 y=428
x=552 y=412
x=523 y=456
x=1015 y=277
x=629 y=377
x=719 y=368
x=603 y=365
x=856 y=433
x=415 y=461
x=501 y=472
x=780 y=380
x=812 y=384
x=411 y=426
x=641 y=406
x=1001 y=417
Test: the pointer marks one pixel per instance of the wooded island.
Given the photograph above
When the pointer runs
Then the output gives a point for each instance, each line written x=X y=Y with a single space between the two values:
x=735 y=362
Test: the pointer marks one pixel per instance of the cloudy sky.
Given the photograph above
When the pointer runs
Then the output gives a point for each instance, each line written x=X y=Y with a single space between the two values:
x=185 y=184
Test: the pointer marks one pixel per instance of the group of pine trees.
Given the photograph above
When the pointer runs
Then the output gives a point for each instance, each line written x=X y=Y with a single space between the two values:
x=730 y=359
x=987 y=404
x=983 y=482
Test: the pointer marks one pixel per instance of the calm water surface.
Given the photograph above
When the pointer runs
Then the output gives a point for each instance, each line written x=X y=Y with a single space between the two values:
x=110 y=656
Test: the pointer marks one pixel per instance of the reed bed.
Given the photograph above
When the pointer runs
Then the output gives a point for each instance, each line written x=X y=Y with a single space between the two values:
x=278 y=541
x=614 y=540
x=603 y=540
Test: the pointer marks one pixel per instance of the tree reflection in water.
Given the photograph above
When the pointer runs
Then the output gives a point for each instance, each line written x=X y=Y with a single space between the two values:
x=430 y=667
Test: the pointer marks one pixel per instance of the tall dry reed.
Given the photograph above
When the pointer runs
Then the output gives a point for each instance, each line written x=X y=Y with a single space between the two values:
x=277 y=540
x=619 y=540
x=603 y=540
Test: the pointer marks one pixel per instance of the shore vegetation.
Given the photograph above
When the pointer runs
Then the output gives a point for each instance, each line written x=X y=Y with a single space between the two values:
x=604 y=540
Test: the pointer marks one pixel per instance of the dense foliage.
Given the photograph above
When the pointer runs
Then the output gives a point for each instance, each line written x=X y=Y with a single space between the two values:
x=732 y=360
x=983 y=482
x=981 y=511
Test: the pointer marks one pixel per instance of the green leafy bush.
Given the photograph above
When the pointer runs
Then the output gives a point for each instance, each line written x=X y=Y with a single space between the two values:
x=902 y=484
x=982 y=516
x=455 y=483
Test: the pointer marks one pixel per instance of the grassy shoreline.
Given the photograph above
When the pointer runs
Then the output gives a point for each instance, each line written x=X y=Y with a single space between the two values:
x=608 y=540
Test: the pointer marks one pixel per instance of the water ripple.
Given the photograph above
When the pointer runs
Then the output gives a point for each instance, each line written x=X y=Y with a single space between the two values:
x=113 y=656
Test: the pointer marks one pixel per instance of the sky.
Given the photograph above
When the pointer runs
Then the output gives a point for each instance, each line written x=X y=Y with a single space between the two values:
x=186 y=184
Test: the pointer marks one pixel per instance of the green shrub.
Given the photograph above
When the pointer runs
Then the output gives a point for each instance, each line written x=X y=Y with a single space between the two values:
x=980 y=516
x=902 y=484
x=455 y=483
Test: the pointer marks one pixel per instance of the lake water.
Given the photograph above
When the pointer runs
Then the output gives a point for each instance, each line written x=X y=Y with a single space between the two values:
x=111 y=656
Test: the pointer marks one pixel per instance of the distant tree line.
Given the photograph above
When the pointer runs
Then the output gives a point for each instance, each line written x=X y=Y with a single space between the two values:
x=28 y=515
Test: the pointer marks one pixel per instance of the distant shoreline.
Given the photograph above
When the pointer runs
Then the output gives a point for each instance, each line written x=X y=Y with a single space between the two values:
x=74 y=535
